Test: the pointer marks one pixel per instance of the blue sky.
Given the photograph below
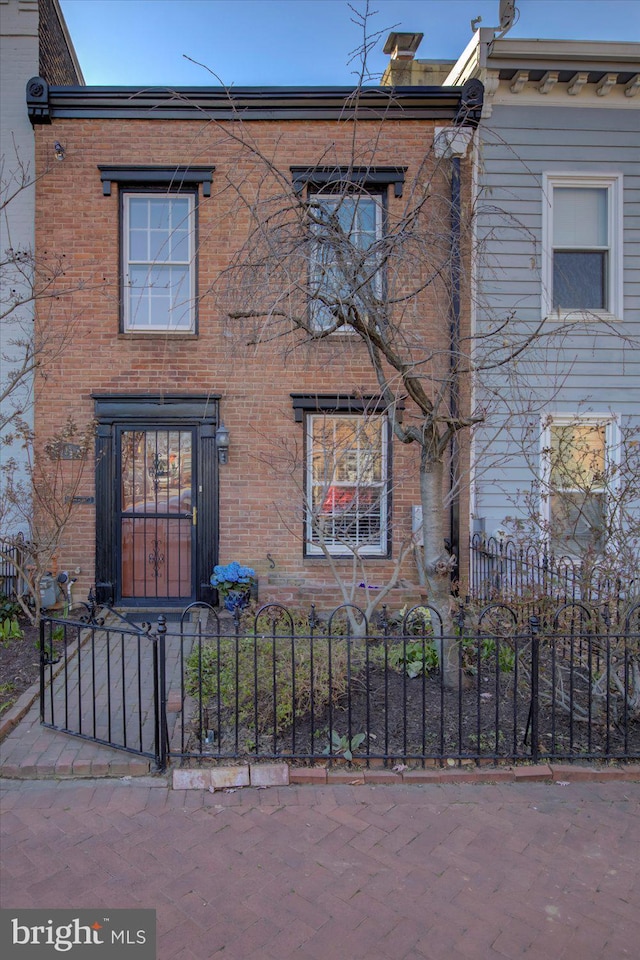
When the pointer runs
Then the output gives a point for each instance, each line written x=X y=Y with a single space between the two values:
x=300 y=42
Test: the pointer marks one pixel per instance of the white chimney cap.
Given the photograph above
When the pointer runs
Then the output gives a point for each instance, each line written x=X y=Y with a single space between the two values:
x=402 y=46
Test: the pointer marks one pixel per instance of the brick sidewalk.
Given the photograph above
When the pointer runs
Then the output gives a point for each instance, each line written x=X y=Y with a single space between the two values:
x=444 y=872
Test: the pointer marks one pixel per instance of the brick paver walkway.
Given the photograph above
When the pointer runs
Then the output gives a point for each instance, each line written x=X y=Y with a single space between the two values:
x=443 y=872
x=80 y=697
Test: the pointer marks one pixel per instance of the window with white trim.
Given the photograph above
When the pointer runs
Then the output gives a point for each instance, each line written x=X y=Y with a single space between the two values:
x=158 y=262
x=343 y=270
x=578 y=454
x=582 y=235
x=347 y=484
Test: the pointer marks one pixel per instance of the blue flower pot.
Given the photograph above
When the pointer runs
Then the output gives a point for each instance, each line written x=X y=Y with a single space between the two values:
x=236 y=600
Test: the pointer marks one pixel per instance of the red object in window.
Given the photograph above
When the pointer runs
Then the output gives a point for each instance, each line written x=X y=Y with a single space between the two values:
x=342 y=498
x=338 y=498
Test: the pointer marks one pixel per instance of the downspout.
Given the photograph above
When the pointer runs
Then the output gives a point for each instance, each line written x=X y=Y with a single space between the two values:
x=452 y=142
x=454 y=347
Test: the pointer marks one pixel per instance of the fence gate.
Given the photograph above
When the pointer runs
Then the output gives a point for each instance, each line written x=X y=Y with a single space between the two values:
x=102 y=683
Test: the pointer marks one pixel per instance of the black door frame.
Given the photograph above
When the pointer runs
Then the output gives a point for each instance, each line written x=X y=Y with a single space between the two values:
x=198 y=412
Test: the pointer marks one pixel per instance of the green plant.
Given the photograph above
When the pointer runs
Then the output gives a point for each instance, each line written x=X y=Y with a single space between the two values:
x=6 y=689
x=486 y=647
x=414 y=656
x=9 y=608
x=506 y=654
x=415 y=621
x=268 y=679
x=10 y=630
x=342 y=746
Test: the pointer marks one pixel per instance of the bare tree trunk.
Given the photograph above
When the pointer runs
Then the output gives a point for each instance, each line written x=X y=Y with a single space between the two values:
x=437 y=561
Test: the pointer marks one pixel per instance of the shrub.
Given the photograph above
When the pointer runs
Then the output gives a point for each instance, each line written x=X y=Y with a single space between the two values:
x=272 y=679
x=415 y=657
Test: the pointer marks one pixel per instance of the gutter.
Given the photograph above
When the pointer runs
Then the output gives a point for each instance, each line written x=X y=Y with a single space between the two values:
x=46 y=103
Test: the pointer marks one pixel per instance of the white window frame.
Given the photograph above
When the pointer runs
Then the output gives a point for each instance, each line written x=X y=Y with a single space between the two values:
x=613 y=184
x=612 y=445
x=381 y=547
x=127 y=325
x=316 y=196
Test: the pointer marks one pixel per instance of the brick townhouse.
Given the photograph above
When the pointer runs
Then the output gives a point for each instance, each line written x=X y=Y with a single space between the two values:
x=219 y=435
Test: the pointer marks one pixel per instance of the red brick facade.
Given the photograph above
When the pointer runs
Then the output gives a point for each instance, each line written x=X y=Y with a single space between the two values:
x=259 y=505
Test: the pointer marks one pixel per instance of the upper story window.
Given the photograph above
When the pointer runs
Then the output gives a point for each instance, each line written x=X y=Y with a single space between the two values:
x=158 y=243
x=582 y=231
x=579 y=456
x=347 y=209
x=159 y=263
x=344 y=271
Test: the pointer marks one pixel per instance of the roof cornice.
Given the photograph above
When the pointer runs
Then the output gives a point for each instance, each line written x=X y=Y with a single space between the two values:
x=46 y=103
x=554 y=54
x=570 y=64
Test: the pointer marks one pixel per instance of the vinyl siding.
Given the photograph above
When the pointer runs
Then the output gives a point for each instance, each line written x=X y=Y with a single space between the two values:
x=594 y=369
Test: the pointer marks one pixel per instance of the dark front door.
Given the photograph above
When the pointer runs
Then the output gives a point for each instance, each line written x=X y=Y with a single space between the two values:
x=157 y=514
x=156 y=499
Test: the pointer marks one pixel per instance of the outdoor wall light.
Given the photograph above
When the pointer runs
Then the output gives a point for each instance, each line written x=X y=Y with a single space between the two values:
x=222 y=443
x=59 y=150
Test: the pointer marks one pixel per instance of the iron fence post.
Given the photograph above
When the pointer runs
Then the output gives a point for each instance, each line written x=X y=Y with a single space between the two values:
x=42 y=668
x=160 y=691
x=534 y=625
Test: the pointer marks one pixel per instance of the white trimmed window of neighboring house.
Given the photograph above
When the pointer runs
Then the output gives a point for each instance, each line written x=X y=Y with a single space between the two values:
x=159 y=262
x=578 y=455
x=347 y=484
x=342 y=266
x=582 y=244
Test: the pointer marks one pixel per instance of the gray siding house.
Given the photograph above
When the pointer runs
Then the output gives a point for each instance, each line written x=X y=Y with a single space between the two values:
x=34 y=41
x=557 y=234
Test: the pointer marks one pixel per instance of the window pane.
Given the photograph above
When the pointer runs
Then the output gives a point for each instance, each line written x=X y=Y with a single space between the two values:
x=580 y=217
x=138 y=276
x=180 y=246
x=138 y=308
x=579 y=280
x=347 y=489
x=139 y=245
x=138 y=212
x=160 y=213
x=180 y=214
x=578 y=522
x=159 y=245
x=577 y=455
x=365 y=223
x=160 y=310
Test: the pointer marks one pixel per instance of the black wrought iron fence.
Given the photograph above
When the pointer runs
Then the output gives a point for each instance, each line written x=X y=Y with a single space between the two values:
x=290 y=687
x=12 y=553
x=294 y=686
x=507 y=571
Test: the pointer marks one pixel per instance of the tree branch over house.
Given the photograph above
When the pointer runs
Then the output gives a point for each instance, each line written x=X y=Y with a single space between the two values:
x=332 y=260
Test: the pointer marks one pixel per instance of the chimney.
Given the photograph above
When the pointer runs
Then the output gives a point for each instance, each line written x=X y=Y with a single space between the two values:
x=402 y=46
x=403 y=70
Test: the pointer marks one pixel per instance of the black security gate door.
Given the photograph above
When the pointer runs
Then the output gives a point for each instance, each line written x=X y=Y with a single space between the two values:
x=156 y=499
x=157 y=511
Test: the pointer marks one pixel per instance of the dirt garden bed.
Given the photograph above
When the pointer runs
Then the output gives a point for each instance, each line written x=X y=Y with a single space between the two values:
x=19 y=664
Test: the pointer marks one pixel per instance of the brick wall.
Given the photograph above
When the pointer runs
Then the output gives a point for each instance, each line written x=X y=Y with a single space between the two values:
x=259 y=495
x=57 y=64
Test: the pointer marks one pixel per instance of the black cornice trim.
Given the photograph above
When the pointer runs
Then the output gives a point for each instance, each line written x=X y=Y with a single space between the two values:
x=337 y=403
x=165 y=176
x=326 y=176
x=247 y=103
x=131 y=407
